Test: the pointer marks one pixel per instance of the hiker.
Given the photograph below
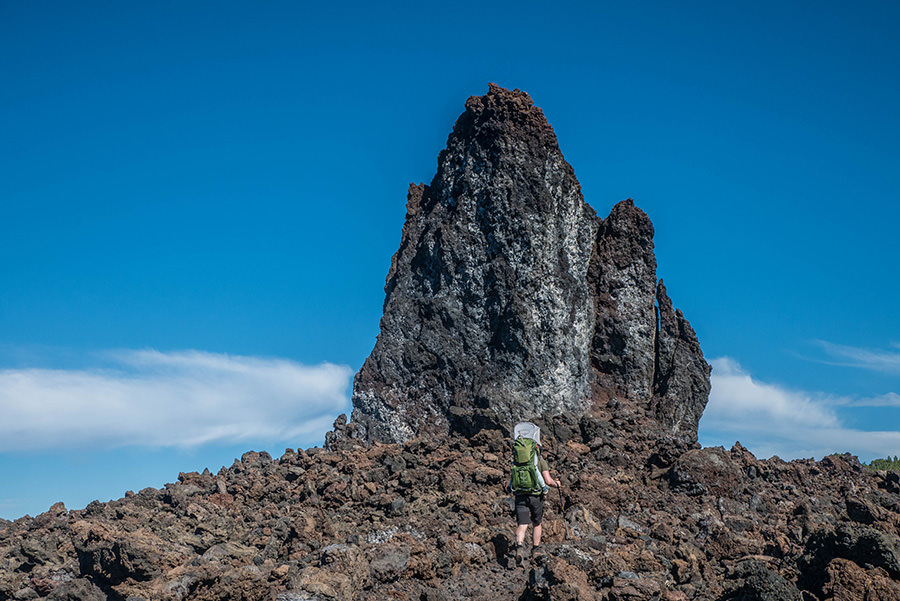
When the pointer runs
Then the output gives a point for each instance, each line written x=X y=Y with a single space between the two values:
x=529 y=481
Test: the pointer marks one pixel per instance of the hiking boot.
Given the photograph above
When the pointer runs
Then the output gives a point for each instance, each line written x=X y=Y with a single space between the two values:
x=519 y=556
x=539 y=556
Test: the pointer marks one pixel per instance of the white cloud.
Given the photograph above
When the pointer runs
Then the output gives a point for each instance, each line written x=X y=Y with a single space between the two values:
x=737 y=396
x=773 y=420
x=891 y=399
x=850 y=356
x=178 y=399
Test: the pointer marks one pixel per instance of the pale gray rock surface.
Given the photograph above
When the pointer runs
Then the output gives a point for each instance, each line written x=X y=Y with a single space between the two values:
x=623 y=287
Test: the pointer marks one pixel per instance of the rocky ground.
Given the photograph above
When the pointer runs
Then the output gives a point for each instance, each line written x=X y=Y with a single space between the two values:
x=640 y=517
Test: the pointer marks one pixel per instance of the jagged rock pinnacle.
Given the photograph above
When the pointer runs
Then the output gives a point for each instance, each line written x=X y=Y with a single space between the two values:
x=509 y=299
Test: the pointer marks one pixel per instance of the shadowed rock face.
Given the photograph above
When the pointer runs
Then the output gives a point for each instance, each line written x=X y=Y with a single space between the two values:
x=509 y=296
x=681 y=374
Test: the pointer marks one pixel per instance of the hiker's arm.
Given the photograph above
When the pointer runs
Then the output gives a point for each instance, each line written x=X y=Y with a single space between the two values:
x=549 y=481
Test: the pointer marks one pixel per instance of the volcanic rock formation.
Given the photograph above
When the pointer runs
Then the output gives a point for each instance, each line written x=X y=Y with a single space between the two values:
x=509 y=296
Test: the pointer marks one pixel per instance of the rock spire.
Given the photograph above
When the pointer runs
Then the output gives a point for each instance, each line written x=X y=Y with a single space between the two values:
x=510 y=298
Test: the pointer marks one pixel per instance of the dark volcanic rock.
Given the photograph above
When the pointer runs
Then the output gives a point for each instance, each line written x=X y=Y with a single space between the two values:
x=79 y=589
x=508 y=295
x=681 y=379
x=507 y=298
x=487 y=303
x=861 y=545
x=623 y=282
x=760 y=583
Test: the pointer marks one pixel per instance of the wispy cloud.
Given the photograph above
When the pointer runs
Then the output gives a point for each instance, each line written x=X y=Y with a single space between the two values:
x=891 y=399
x=774 y=420
x=172 y=399
x=872 y=359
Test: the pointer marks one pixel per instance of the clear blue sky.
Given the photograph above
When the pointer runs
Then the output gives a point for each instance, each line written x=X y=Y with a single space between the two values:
x=199 y=203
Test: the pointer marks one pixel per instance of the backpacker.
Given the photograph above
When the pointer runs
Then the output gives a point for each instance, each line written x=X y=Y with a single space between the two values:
x=526 y=477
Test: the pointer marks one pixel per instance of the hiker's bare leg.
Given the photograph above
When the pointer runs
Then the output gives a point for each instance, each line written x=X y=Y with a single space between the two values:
x=536 y=535
x=520 y=534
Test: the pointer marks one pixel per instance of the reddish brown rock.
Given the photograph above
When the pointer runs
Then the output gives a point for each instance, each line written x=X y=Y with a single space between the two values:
x=847 y=581
x=435 y=523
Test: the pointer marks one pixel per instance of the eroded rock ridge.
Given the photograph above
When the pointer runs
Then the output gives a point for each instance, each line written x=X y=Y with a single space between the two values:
x=510 y=298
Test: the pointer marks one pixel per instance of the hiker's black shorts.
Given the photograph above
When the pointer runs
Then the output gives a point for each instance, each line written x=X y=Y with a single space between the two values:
x=529 y=508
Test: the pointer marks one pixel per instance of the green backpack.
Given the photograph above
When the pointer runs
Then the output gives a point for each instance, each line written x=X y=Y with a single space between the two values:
x=525 y=478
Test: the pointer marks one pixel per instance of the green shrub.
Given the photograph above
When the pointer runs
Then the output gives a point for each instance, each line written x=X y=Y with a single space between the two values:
x=892 y=464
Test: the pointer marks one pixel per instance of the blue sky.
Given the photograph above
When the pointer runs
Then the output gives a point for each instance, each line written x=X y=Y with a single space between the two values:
x=199 y=203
